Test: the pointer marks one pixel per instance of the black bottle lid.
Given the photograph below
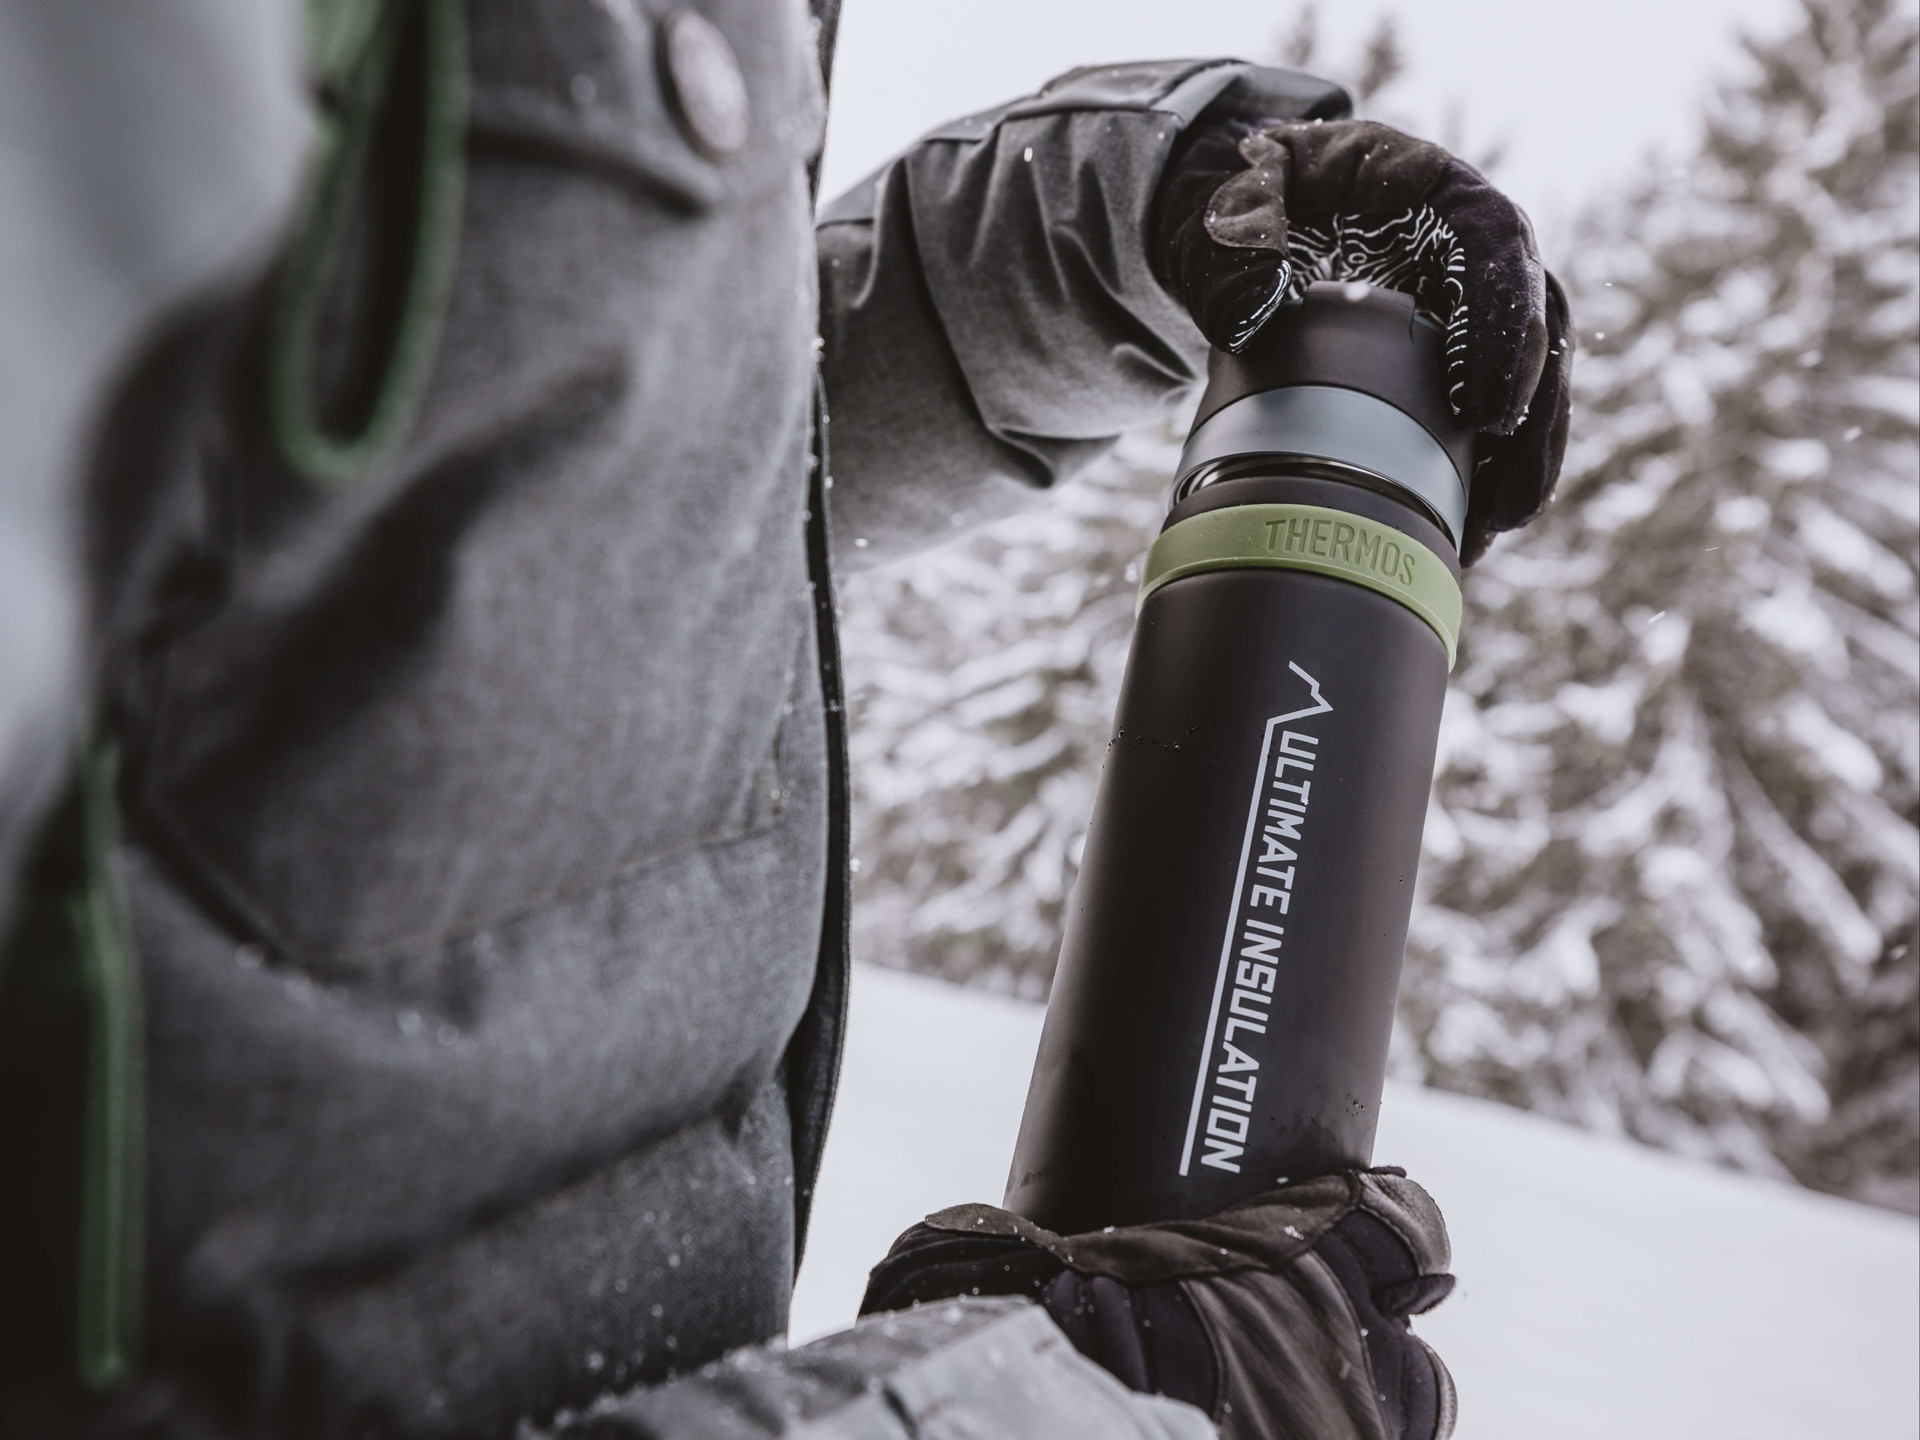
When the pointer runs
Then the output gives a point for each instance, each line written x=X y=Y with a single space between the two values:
x=1368 y=372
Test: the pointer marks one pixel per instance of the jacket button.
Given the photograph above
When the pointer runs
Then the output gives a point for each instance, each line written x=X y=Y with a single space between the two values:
x=709 y=92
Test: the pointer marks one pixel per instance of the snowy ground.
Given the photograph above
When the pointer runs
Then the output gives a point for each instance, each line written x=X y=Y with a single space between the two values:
x=1605 y=1290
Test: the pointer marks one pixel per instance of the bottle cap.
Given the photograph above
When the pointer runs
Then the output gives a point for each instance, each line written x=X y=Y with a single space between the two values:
x=1349 y=379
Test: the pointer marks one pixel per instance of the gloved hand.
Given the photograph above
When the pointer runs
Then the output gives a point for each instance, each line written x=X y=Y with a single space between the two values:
x=1283 y=1317
x=1248 y=213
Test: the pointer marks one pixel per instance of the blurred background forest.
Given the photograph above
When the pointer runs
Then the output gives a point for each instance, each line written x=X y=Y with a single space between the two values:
x=1671 y=870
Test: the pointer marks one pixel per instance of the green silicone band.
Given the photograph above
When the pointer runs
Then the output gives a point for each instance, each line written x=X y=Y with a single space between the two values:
x=1319 y=541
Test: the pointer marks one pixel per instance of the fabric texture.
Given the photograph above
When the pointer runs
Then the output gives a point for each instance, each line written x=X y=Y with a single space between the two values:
x=962 y=1370
x=1249 y=214
x=1283 y=1316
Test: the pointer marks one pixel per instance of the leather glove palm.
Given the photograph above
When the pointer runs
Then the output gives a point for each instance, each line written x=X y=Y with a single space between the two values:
x=1283 y=1318
x=1248 y=213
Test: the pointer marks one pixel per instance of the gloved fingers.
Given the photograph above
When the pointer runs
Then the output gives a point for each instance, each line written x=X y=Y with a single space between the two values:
x=1291 y=1359
x=1497 y=341
x=984 y=1245
x=1265 y=1231
x=1366 y=202
x=1413 y=1296
x=1448 y=1398
x=1343 y=167
x=932 y=1262
x=1409 y=1212
x=1250 y=213
x=1230 y=286
x=1096 y=1314
x=1236 y=233
x=1379 y=1270
x=1514 y=475
x=1149 y=1338
x=1384 y=1281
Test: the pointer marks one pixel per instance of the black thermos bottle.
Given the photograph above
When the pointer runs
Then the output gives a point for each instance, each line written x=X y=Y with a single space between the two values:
x=1225 y=992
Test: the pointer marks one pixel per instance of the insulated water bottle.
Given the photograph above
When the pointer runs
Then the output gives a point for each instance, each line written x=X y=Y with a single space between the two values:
x=1225 y=989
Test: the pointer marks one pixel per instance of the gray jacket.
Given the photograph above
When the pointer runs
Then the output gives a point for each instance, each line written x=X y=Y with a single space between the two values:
x=481 y=814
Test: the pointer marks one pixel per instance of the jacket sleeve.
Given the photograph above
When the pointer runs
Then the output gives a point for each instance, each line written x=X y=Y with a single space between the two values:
x=950 y=1371
x=990 y=320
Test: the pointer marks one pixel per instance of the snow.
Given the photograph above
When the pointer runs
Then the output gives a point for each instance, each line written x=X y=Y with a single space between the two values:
x=1606 y=1290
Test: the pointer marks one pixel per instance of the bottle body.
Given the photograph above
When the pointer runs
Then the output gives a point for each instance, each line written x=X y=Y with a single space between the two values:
x=1224 y=996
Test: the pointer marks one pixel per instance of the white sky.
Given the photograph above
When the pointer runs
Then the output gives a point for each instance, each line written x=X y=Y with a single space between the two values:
x=1579 y=89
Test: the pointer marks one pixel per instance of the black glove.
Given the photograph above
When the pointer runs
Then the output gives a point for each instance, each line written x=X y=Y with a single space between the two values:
x=1247 y=215
x=1283 y=1317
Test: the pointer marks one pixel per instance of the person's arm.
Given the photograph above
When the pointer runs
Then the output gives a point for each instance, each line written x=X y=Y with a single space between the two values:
x=991 y=318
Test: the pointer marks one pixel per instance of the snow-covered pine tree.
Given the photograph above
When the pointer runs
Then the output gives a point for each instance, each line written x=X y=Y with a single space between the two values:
x=1672 y=864
x=982 y=682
